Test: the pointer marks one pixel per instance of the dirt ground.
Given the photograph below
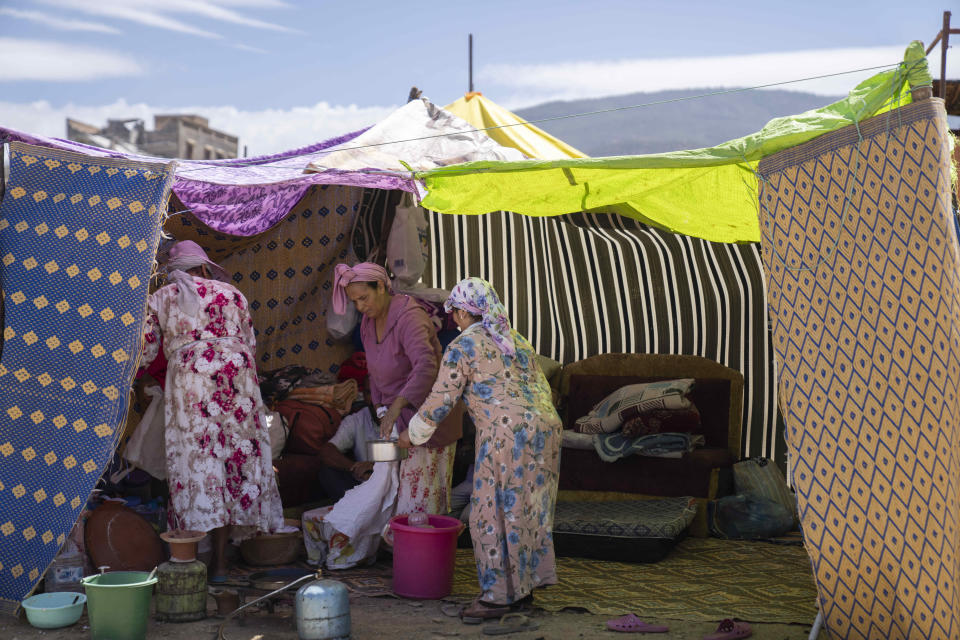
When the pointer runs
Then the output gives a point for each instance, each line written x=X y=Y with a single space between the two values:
x=397 y=619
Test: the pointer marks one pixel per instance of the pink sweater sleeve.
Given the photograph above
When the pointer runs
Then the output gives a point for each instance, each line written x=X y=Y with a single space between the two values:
x=419 y=340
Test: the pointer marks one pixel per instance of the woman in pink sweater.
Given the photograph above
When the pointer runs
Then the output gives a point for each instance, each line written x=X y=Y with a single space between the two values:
x=403 y=358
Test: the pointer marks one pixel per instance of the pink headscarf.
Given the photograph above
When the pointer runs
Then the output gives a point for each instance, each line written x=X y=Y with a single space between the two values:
x=364 y=272
x=187 y=254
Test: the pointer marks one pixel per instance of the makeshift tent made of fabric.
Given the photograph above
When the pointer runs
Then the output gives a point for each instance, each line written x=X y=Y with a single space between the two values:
x=509 y=129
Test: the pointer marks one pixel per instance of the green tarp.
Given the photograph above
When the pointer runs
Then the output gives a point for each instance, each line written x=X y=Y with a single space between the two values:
x=707 y=193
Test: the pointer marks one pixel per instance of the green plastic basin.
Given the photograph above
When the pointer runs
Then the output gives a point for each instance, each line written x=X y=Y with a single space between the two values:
x=54 y=610
x=118 y=604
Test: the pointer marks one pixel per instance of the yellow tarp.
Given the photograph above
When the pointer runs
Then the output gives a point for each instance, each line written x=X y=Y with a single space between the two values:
x=513 y=130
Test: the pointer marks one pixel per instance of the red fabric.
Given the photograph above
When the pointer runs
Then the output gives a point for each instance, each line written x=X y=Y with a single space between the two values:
x=663 y=421
x=157 y=368
x=310 y=425
x=355 y=367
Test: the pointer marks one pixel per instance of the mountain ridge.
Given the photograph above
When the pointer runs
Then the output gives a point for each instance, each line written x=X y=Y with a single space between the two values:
x=686 y=122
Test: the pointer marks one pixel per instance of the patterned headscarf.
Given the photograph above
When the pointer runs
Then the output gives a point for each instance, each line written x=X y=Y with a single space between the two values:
x=477 y=296
x=364 y=272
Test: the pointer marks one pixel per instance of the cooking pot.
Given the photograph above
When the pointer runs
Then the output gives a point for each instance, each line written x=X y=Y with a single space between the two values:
x=385 y=451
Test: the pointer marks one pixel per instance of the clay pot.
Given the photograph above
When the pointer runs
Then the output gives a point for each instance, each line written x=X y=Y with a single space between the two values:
x=228 y=600
x=118 y=537
x=183 y=544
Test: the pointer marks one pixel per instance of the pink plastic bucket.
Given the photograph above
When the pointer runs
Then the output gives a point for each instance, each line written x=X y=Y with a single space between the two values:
x=423 y=557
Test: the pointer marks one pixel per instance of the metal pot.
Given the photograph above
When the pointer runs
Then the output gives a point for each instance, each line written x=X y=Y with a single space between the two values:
x=385 y=451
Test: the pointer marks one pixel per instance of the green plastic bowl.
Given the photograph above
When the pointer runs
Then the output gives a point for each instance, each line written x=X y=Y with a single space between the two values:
x=54 y=610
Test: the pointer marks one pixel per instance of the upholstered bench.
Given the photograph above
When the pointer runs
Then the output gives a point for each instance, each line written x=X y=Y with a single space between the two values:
x=704 y=473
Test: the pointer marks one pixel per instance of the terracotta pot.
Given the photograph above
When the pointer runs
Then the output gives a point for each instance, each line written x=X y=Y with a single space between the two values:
x=119 y=538
x=183 y=544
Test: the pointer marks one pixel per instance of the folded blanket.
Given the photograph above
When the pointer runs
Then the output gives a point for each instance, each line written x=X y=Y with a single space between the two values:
x=613 y=446
x=335 y=396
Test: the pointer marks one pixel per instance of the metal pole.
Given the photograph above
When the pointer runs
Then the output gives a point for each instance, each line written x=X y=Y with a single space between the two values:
x=944 y=43
x=244 y=151
x=470 y=58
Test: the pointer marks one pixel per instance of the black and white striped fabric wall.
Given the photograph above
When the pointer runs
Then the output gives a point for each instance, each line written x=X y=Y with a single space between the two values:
x=584 y=284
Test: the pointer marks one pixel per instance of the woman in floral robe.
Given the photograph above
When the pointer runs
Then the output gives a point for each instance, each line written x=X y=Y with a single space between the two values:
x=218 y=450
x=494 y=370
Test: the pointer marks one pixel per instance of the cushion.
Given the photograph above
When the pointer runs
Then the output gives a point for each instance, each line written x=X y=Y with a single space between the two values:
x=663 y=421
x=626 y=531
x=633 y=400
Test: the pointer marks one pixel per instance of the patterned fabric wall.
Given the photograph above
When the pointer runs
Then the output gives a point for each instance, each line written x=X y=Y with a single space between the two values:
x=861 y=252
x=79 y=236
x=286 y=273
x=584 y=284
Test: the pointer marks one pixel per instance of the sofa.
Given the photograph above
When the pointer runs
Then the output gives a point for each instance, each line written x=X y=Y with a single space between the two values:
x=704 y=473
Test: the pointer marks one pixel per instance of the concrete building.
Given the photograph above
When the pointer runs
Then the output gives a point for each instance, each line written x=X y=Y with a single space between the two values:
x=173 y=136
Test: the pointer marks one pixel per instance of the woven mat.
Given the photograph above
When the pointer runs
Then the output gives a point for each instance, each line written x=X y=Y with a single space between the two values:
x=79 y=237
x=863 y=271
x=702 y=579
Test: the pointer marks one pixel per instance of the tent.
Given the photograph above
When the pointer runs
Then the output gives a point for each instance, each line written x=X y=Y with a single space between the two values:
x=509 y=129
x=80 y=227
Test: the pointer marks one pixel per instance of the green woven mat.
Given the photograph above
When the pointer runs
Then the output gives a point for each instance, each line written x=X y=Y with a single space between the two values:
x=702 y=579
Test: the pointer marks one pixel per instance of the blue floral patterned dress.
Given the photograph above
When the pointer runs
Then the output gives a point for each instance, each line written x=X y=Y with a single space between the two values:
x=517 y=460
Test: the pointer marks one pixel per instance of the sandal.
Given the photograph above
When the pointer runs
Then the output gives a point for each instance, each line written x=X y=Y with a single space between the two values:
x=478 y=611
x=511 y=623
x=632 y=624
x=730 y=630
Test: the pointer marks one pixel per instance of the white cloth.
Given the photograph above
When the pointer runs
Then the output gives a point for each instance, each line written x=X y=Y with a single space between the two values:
x=354 y=432
x=146 y=448
x=365 y=509
x=188 y=299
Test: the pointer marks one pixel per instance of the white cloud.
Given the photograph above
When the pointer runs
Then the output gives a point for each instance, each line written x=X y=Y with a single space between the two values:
x=532 y=84
x=157 y=13
x=132 y=12
x=55 y=61
x=57 y=23
x=265 y=131
x=246 y=47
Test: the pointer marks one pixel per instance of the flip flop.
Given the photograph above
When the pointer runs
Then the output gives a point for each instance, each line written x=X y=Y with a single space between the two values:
x=632 y=624
x=218 y=579
x=730 y=630
x=511 y=623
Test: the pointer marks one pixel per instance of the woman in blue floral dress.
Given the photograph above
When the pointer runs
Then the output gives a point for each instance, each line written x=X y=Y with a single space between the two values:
x=494 y=370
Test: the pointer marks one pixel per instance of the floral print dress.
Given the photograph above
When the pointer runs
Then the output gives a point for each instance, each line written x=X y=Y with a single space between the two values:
x=218 y=450
x=517 y=460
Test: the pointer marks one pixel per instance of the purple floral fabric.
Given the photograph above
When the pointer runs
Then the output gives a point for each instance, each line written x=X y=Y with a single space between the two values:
x=245 y=196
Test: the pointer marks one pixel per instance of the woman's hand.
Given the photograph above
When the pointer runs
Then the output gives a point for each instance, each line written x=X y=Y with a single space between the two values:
x=361 y=470
x=386 y=424
x=403 y=442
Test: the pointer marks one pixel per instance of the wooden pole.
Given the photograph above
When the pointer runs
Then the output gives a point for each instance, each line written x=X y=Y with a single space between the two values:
x=470 y=60
x=944 y=43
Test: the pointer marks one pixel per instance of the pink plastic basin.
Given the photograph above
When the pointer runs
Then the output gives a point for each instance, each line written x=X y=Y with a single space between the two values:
x=423 y=557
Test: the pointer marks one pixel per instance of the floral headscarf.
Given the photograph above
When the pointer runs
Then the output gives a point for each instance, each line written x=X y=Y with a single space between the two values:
x=344 y=274
x=477 y=296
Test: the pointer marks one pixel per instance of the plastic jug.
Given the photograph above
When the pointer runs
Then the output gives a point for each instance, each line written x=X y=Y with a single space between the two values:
x=66 y=572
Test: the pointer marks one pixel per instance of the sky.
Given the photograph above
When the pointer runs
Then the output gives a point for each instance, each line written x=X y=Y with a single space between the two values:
x=282 y=74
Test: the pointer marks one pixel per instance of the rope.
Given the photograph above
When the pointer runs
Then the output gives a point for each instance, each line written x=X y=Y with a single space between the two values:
x=564 y=117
